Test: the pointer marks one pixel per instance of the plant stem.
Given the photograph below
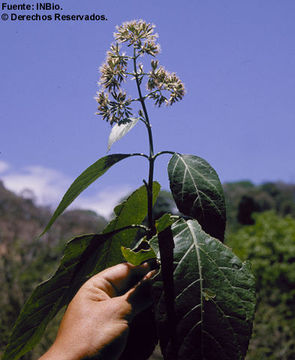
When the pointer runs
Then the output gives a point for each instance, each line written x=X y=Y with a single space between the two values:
x=166 y=243
x=151 y=157
x=166 y=246
x=164 y=152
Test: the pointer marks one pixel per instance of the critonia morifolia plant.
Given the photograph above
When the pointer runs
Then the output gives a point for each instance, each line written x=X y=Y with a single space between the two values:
x=204 y=297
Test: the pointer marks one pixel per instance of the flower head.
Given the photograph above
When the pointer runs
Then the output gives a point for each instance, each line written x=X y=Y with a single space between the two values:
x=117 y=110
x=140 y=35
x=113 y=71
x=161 y=81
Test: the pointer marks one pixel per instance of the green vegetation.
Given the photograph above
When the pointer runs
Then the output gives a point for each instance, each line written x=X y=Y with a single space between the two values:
x=261 y=229
x=244 y=199
x=269 y=245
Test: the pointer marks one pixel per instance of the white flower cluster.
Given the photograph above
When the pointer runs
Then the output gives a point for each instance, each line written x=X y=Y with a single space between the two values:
x=161 y=80
x=163 y=87
x=140 y=35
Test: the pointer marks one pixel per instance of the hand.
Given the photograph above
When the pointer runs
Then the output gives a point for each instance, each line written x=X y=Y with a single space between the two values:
x=96 y=321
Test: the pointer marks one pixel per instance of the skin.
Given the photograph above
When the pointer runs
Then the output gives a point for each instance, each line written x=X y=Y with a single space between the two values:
x=96 y=321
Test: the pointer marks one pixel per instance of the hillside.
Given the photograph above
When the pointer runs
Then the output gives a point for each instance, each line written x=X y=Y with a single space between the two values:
x=21 y=220
x=26 y=260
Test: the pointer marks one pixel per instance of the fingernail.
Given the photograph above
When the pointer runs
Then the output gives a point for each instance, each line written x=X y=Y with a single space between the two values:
x=152 y=263
x=149 y=275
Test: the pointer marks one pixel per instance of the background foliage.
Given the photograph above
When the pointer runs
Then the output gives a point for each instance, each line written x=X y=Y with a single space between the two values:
x=270 y=246
x=267 y=239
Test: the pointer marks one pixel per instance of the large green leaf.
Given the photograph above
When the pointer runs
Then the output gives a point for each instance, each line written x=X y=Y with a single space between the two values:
x=198 y=192
x=214 y=298
x=84 y=256
x=87 y=177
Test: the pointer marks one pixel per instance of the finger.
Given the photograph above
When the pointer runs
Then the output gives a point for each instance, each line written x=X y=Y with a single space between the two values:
x=118 y=279
x=139 y=296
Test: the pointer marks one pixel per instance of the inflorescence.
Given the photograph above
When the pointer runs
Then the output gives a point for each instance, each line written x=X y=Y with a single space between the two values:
x=162 y=87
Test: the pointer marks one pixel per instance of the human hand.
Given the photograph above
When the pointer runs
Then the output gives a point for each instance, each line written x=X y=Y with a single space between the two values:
x=96 y=321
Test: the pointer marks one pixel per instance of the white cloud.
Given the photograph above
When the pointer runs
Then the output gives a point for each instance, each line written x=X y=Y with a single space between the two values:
x=3 y=166
x=103 y=202
x=49 y=185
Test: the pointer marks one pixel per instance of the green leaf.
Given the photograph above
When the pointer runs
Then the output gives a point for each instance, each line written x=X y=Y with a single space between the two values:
x=137 y=257
x=131 y=211
x=120 y=130
x=214 y=298
x=134 y=209
x=198 y=192
x=165 y=221
x=87 y=177
x=84 y=256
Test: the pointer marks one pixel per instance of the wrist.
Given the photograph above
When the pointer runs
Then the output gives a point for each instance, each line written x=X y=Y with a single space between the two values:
x=55 y=353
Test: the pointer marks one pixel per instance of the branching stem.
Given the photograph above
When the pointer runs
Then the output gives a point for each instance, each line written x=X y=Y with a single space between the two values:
x=164 y=152
x=140 y=154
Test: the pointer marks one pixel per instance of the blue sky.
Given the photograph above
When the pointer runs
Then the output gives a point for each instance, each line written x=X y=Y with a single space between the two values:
x=236 y=58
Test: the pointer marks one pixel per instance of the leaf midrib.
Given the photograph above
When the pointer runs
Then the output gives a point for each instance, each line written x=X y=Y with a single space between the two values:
x=195 y=242
x=198 y=250
x=198 y=192
x=183 y=181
